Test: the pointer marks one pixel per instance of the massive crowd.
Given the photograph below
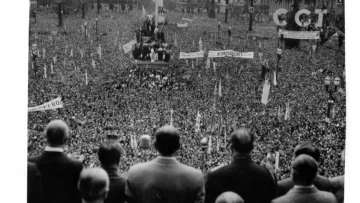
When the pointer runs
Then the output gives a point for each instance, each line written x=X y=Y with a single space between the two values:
x=121 y=98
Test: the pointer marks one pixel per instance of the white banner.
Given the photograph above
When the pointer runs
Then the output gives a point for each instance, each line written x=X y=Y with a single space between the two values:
x=299 y=34
x=53 y=104
x=266 y=92
x=127 y=47
x=182 y=25
x=191 y=55
x=186 y=19
x=230 y=53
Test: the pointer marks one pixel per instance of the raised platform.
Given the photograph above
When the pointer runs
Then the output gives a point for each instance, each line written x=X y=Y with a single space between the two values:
x=148 y=64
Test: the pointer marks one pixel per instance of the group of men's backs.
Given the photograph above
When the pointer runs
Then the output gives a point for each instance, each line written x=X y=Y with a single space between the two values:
x=55 y=178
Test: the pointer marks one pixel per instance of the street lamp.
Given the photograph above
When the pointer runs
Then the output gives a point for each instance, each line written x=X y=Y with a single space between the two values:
x=83 y=9
x=331 y=86
x=204 y=145
x=85 y=24
x=59 y=12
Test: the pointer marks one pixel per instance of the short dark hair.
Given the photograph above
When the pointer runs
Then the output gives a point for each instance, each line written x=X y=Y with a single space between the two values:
x=304 y=169
x=167 y=140
x=308 y=149
x=56 y=133
x=242 y=140
x=110 y=153
x=93 y=184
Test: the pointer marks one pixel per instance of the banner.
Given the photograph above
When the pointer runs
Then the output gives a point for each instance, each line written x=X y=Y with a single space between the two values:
x=127 y=47
x=182 y=25
x=299 y=34
x=230 y=53
x=53 y=104
x=266 y=92
x=192 y=55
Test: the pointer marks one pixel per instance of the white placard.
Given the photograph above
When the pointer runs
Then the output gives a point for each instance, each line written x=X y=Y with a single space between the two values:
x=299 y=34
x=192 y=55
x=230 y=53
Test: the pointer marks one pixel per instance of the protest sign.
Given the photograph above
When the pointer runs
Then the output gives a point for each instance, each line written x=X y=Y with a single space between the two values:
x=53 y=104
x=191 y=55
x=230 y=53
x=299 y=34
x=127 y=47
x=182 y=25
x=266 y=92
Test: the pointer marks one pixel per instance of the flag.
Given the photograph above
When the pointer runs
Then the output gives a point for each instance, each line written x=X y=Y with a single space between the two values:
x=234 y=124
x=197 y=124
x=266 y=92
x=210 y=143
x=220 y=92
x=55 y=60
x=81 y=53
x=99 y=51
x=86 y=78
x=143 y=13
x=214 y=67
x=175 y=42
x=277 y=157
x=52 y=68
x=215 y=90
x=279 y=112
x=200 y=44
x=45 y=75
x=44 y=52
x=217 y=144
x=93 y=63
x=135 y=142
x=275 y=82
x=71 y=53
x=333 y=112
x=192 y=64
x=171 y=116
x=131 y=142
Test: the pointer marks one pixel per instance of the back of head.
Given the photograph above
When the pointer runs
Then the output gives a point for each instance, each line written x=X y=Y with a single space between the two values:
x=56 y=133
x=304 y=170
x=229 y=197
x=110 y=153
x=308 y=149
x=242 y=140
x=93 y=184
x=167 y=140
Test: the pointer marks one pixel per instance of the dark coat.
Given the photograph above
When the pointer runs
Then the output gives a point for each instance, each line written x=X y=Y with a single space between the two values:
x=34 y=186
x=116 y=193
x=60 y=176
x=322 y=183
x=254 y=183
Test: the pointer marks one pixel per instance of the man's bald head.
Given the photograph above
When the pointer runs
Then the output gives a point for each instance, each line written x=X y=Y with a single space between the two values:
x=56 y=133
x=93 y=184
x=242 y=140
x=167 y=140
x=229 y=197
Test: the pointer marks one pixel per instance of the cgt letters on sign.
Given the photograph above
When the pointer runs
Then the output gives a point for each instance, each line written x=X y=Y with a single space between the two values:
x=281 y=11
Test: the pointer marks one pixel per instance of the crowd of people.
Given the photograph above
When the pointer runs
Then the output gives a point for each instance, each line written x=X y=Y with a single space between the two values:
x=115 y=97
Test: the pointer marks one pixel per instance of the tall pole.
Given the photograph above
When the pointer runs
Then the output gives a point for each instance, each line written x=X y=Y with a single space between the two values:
x=60 y=14
x=226 y=10
x=98 y=7
x=156 y=12
x=251 y=16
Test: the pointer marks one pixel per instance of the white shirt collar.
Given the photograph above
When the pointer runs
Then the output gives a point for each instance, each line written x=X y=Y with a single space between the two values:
x=54 y=149
x=300 y=186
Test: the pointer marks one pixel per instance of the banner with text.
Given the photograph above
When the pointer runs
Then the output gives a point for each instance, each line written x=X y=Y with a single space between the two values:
x=127 y=47
x=182 y=25
x=53 y=104
x=192 y=55
x=299 y=34
x=230 y=53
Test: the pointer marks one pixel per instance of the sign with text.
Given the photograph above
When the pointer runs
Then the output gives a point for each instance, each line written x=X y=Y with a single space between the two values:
x=191 y=55
x=53 y=104
x=299 y=34
x=230 y=53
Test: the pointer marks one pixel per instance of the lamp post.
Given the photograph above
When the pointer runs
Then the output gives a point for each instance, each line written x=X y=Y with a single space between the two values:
x=204 y=146
x=59 y=12
x=96 y=27
x=85 y=24
x=331 y=86
x=83 y=9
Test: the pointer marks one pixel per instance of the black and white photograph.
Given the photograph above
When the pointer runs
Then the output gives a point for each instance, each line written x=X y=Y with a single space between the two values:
x=179 y=101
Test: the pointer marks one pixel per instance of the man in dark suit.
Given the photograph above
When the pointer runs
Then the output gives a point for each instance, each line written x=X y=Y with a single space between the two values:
x=304 y=170
x=254 y=183
x=34 y=186
x=320 y=182
x=165 y=179
x=58 y=172
x=109 y=156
